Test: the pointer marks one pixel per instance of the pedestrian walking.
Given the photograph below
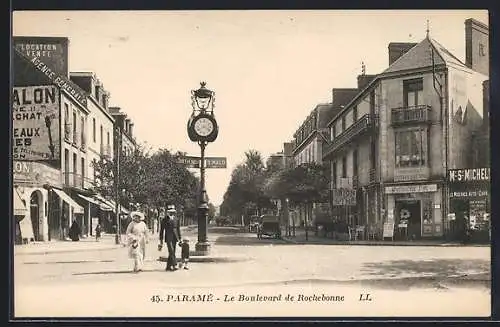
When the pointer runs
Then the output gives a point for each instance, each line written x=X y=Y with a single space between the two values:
x=98 y=231
x=184 y=253
x=137 y=238
x=170 y=233
x=75 y=231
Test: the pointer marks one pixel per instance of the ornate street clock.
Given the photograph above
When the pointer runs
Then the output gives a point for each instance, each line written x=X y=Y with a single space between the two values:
x=202 y=128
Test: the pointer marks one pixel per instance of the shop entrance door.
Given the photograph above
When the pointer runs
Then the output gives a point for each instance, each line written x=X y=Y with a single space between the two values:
x=35 y=215
x=410 y=210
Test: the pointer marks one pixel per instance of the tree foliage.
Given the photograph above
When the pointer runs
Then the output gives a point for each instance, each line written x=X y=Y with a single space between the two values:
x=155 y=179
x=306 y=183
x=245 y=192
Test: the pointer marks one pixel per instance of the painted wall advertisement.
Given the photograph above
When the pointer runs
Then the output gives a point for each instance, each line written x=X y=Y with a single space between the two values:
x=52 y=50
x=35 y=173
x=35 y=126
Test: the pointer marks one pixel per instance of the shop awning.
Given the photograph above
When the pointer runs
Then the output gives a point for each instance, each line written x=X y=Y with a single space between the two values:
x=121 y=208
x=65 y=197
x=88 y=199
x=104 y=204
x=19 y=206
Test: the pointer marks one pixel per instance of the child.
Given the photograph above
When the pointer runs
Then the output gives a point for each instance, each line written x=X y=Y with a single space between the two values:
x=98 y=232
x=184 y=253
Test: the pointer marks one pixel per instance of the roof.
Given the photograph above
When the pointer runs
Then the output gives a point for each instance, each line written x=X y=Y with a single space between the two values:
x=420 y=56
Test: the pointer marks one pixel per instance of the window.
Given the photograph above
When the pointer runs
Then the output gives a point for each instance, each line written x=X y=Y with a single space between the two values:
x=333 y=132
x=372 y=102
x=354 y=114
x=355 y=162
x=413 y=92
x=66 y=114
x=343 y=123
x=411 y=147
x=82 y=130
x=373 y=156
x=83 y=168
x=482 y=52
x=107 y=139
x=334 y=174
x=344 y=167
x=93 y=130
x=74 y=125
x=102 y=133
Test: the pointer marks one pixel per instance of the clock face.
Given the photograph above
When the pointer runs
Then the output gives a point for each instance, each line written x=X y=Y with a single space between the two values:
x=203 y=126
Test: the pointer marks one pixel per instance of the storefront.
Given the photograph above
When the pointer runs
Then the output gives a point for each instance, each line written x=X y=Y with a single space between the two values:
x=415 y=210
x=470 y=203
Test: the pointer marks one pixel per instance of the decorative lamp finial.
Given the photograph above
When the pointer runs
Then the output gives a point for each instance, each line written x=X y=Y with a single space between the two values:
x=427 y=30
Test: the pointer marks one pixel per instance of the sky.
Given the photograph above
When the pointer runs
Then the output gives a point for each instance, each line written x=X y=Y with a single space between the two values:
x=269 y=69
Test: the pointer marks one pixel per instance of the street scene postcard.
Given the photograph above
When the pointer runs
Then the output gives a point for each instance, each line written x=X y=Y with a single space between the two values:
x=226 y=163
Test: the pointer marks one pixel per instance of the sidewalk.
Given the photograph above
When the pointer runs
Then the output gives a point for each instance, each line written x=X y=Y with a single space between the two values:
x=107 y=242
x=300 y=238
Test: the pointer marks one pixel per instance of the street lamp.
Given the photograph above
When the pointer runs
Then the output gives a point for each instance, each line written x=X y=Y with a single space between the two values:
x=202 y=128
x=117 y=183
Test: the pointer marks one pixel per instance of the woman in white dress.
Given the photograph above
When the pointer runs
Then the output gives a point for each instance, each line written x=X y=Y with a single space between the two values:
x=137 y=238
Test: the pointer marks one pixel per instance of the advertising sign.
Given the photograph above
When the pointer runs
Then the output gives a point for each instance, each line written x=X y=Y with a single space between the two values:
x=402 y=189
x=35 y=173
x=57 y=78
x=52 y=50
x=35 y=126
x=469 y=175
x=343 y=196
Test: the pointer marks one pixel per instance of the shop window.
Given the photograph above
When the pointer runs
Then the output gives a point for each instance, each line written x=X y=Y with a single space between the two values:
x=413 y=92
x=344 y=167
x=355 y=163
x=411 y=148
x=334 y=174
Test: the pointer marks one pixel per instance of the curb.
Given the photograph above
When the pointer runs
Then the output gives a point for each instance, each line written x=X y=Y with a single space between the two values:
x=388 y=243
x=67 y=251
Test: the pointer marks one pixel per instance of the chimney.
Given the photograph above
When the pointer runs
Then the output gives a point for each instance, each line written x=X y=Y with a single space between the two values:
x=364 y=80
x=397 y=49
x=477 y=46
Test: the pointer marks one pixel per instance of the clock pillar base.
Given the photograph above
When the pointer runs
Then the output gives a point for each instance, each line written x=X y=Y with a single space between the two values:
x=202 y=248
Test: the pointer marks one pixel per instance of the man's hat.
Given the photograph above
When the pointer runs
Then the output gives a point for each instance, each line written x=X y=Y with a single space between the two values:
x=171 y=208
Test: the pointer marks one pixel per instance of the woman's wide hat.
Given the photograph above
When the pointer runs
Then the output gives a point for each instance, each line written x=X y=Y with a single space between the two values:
x=137 y=214
x=171 y=208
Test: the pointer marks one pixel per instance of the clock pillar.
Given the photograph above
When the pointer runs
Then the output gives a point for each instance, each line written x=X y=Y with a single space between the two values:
x=202 y=247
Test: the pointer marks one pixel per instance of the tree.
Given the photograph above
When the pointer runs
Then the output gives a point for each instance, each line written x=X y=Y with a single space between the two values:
x=245 y=192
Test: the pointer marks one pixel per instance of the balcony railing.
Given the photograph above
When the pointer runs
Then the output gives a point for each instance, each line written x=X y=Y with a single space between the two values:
x=411 y=115
x=73 y=180
x=355 y=181
x=373 y=175
x=364 y=124
x=76 y=139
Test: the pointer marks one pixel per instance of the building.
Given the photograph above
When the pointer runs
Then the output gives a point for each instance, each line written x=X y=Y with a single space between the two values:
x=395 y=142
x=350 y=154
x=99 y=127
x=125 y=131
x=41 y=154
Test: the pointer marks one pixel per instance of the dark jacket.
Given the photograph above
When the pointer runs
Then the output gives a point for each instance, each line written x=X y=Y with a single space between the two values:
x=170 y=230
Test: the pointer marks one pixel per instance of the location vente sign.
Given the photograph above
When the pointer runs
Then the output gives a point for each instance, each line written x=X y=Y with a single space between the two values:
x=35 y=126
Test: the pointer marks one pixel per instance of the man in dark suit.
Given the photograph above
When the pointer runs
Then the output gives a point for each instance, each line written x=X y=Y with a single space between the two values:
x=170 y=232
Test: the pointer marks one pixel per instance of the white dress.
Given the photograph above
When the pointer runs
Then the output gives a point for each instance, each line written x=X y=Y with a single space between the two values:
x=137 y=231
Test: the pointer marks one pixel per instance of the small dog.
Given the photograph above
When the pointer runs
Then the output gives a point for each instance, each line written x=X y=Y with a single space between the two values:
x=184 y=253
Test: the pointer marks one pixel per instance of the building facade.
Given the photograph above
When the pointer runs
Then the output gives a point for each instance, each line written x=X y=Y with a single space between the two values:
x=391 y=147
x=41 y=90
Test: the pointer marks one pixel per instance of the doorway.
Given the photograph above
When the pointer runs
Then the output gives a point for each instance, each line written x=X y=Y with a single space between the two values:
x=410 y=210
x=35 y=214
